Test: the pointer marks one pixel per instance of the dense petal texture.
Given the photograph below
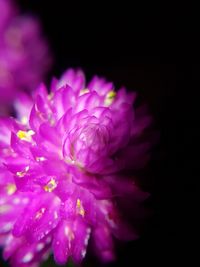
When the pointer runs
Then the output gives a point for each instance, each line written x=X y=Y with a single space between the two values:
x=62 y=170
x=24 y=54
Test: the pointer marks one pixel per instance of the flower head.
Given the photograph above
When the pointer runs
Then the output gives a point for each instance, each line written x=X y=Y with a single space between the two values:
x=24 y=54
x=62 y=170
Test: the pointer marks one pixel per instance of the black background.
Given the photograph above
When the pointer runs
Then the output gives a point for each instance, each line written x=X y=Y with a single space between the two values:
x=149 y=49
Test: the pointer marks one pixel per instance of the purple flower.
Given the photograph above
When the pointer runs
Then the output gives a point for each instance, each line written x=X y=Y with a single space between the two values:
x=61 y=172
x=24 y=54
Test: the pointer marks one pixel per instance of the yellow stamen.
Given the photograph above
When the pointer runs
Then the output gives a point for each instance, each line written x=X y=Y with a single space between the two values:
x=25 y=135
x=50 y=186
x=109 y=98
x=79 y=208
x=21 y=134
x=11 y=188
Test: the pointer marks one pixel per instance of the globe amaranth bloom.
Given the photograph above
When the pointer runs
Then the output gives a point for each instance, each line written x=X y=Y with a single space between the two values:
x=62 y=170
x=24 y=53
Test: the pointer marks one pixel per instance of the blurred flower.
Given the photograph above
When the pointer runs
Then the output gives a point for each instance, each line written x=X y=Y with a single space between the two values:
x=24 y=54
x=61 y=172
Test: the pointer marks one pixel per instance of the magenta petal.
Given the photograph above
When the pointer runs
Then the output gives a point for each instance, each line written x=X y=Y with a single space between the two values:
x=75 y=79
x=104 y=243
x=63 y=100
x=82 y=235
x=96 y=186
x=49 y=134
x=35 y=118
x=13 y=243
x=62 y=242
x=38 y=219
x=100 y=85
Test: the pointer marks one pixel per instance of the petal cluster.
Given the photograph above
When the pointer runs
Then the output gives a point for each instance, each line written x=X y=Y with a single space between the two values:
x=63 y=168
